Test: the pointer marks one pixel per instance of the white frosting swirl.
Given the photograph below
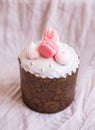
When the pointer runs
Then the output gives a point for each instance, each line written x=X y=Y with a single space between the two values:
x=64 y=63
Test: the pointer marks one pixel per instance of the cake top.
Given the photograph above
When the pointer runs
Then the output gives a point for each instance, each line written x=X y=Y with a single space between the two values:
x=49 y=57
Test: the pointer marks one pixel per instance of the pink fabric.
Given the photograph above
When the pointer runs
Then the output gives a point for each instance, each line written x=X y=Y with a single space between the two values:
x=24 y=21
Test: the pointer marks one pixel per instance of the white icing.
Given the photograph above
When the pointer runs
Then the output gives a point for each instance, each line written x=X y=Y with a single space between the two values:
x=50 y=67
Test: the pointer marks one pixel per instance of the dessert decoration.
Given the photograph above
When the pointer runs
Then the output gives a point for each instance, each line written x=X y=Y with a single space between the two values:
x=62 y=57
x=32 y=51
x=48 y=47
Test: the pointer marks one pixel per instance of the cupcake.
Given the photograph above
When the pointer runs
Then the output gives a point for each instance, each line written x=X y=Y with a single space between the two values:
x=48 y=71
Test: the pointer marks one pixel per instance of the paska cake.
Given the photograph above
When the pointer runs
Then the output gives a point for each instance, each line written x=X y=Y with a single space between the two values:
x=48 y=71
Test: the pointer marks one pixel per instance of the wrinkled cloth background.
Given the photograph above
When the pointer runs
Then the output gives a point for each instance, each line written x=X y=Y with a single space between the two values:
x=23 y=21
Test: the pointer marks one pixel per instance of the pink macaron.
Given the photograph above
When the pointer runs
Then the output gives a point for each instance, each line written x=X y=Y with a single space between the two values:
x=48 y=47
x=51 y=34
x=48 y=50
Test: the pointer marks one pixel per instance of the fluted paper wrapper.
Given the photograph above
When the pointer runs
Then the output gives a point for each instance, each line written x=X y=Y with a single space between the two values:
x=47 y=95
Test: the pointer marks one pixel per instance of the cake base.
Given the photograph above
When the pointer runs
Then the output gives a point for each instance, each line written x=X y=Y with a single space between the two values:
x=47 y=95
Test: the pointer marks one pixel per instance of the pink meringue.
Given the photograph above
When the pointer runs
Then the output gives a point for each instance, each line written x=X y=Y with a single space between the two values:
x=32 y=51
x=62 y=57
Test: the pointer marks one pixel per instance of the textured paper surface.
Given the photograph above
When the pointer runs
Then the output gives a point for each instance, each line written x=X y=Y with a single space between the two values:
x=24 y=21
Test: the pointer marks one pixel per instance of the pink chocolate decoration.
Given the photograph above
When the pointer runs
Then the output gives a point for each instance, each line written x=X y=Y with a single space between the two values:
x=48 y=47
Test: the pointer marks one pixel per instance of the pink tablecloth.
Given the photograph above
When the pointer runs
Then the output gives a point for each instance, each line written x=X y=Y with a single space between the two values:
x=23 y=21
